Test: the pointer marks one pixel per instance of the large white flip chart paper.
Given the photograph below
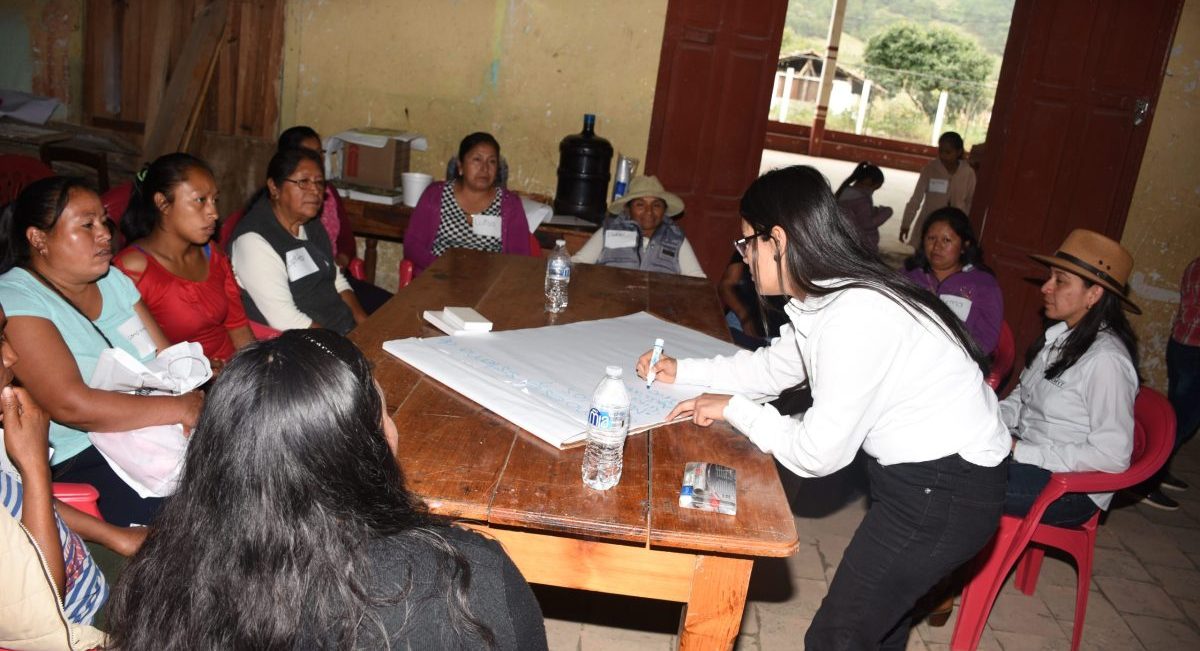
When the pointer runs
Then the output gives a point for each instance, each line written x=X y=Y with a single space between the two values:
x=542 y=379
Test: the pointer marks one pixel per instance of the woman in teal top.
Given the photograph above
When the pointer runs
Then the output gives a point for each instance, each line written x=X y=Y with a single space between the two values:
x=65 y=305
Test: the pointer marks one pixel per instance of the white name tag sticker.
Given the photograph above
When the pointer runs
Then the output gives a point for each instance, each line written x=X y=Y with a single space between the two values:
x=961 y=307
x=620 y=239
x=135 y=331
x=485 y=225
x=940 y=186
x=299 y=264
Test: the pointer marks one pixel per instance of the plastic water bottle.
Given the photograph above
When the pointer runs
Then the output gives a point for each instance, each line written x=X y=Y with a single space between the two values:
x=558 y=276
x=608 y=424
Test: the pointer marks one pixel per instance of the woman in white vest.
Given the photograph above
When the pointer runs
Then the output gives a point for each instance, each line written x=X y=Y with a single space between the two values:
x=639 y=232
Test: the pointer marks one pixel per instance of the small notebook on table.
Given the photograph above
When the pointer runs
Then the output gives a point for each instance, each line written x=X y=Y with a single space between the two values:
x=458 y=320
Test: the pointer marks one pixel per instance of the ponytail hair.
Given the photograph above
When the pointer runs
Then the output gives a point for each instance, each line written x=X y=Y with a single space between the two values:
x=160 y=177
x=864 y=170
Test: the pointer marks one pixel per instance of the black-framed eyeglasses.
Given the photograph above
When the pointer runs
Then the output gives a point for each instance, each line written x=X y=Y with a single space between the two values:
x=309 y=184
x=742 y=245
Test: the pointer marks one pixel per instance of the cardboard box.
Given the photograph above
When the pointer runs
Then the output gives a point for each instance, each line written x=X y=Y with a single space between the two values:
x=376 y=157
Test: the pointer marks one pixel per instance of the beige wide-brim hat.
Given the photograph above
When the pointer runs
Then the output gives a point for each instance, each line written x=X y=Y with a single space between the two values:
x=1093 y=256
x=647 y=186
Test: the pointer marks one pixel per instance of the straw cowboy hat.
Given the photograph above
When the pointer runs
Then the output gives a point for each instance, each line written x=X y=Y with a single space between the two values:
x=647 y=186
x=1094 y=257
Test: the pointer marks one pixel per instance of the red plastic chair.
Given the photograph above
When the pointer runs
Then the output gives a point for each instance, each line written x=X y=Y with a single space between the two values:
x=1153 y=438
x=406 y=273
x=16 y=172
x=1002 y=358
x=80 y=496
x=116 y=201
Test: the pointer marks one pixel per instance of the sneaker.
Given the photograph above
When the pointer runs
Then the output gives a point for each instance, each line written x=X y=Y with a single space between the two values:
x=1171 y=482
x=1156 y=499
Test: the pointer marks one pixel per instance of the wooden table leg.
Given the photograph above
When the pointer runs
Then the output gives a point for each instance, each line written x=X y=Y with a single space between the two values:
x=369 y=258
x=713 y=613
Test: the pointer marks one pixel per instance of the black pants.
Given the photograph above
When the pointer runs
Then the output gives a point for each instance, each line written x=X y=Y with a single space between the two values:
x=925 y=520
x=370 y=297
x=1025 y=483
x=119 y=504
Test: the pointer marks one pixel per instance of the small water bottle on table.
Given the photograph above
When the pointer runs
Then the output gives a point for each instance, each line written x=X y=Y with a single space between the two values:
x=558 y=276
x=608 y=424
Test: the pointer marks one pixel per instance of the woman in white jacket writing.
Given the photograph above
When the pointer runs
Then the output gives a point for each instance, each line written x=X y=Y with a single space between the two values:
x=892 y=372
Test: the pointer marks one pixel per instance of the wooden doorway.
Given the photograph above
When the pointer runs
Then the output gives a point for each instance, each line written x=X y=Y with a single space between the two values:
x=710 y=113
x=1073 y=108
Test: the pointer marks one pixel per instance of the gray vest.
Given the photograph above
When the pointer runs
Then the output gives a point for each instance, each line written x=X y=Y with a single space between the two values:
x=661 y=254
x=314 y=294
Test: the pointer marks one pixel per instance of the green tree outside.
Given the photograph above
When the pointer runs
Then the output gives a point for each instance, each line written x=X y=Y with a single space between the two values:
x=924 y=61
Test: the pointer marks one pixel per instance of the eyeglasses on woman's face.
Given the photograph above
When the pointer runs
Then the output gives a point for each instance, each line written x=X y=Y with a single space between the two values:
x=307 y=185
x=742 y=245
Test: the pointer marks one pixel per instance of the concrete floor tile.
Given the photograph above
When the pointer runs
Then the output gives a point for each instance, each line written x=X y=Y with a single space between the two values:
x=1061 y=600
x=563 y=635
x=1177 y=582
x=1155 y=633
x=746 y=643
x=1010 y=641
x=806 y=563
x=782 y=635
x=1180 y=518
x=1119 y=563
x=809 y=594
x=915 y=643
x=1057 y=571
x=1103 y=628
x=1187 y=540
x=596 y=637
x=1191 y=608
x=1108 y=539
x=749 y=619
x=1014 y=612
x=1136 y=598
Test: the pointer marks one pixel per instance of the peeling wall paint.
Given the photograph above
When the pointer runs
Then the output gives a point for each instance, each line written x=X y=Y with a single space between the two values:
x=1163 y=227
x=41 y=50
x=526 y=71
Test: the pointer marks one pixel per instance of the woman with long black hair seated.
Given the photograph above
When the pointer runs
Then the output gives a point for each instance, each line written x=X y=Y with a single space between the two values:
x=292 y=527
x=893 y=372
x=1073 y=410
x=282 y=256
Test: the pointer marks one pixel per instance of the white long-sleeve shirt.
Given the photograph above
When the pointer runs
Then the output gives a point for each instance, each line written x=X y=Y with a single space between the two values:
x=1083 y=419
x=883 y=379
x=260 y=271
x=689 y=264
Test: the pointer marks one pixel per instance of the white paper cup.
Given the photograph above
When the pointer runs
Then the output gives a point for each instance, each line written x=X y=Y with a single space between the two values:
x=413 y=184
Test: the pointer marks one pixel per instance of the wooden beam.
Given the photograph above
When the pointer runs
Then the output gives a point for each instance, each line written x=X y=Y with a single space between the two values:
x=160 y=52
x=180 y=107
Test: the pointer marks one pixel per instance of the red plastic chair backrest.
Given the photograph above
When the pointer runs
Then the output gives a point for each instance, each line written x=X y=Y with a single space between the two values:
x=1153 y=439
x=116 y=201
x=227 y=228
x=1003 y=357
x=406 y=273
x=16 y=172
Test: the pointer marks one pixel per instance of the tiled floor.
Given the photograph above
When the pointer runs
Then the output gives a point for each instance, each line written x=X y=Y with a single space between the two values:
x=1145 y=591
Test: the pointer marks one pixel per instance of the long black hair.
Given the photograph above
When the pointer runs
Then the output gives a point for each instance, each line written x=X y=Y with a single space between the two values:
x=864 y=170
x=292 y=137
x=971 y=253
x=287 y=480
x=281 y=166
x=1106 y=314
x=160 y=177
x=821 y=246
x=39 y=205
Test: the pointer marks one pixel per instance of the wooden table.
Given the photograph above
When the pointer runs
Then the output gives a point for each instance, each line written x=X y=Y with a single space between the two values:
x=374 y=222
x=633 y=539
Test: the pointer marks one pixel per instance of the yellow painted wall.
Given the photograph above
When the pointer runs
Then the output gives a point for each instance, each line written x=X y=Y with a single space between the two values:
x=1163 y=227
x=526 y=71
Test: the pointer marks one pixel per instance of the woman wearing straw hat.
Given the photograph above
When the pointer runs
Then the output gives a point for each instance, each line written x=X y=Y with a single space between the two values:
x=1073 y=410
x=639 y=233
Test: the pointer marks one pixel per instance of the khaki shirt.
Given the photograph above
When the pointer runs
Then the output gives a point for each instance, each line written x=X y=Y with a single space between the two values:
x=938 y=188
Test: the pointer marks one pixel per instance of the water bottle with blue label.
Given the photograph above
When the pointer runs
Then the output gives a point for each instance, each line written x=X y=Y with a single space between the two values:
x=558 y=276
x=608 y=424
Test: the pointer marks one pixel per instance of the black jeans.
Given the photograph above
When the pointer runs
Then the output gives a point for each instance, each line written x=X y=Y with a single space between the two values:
x=925 y=520
x=119 y=504
x=1025 y=483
